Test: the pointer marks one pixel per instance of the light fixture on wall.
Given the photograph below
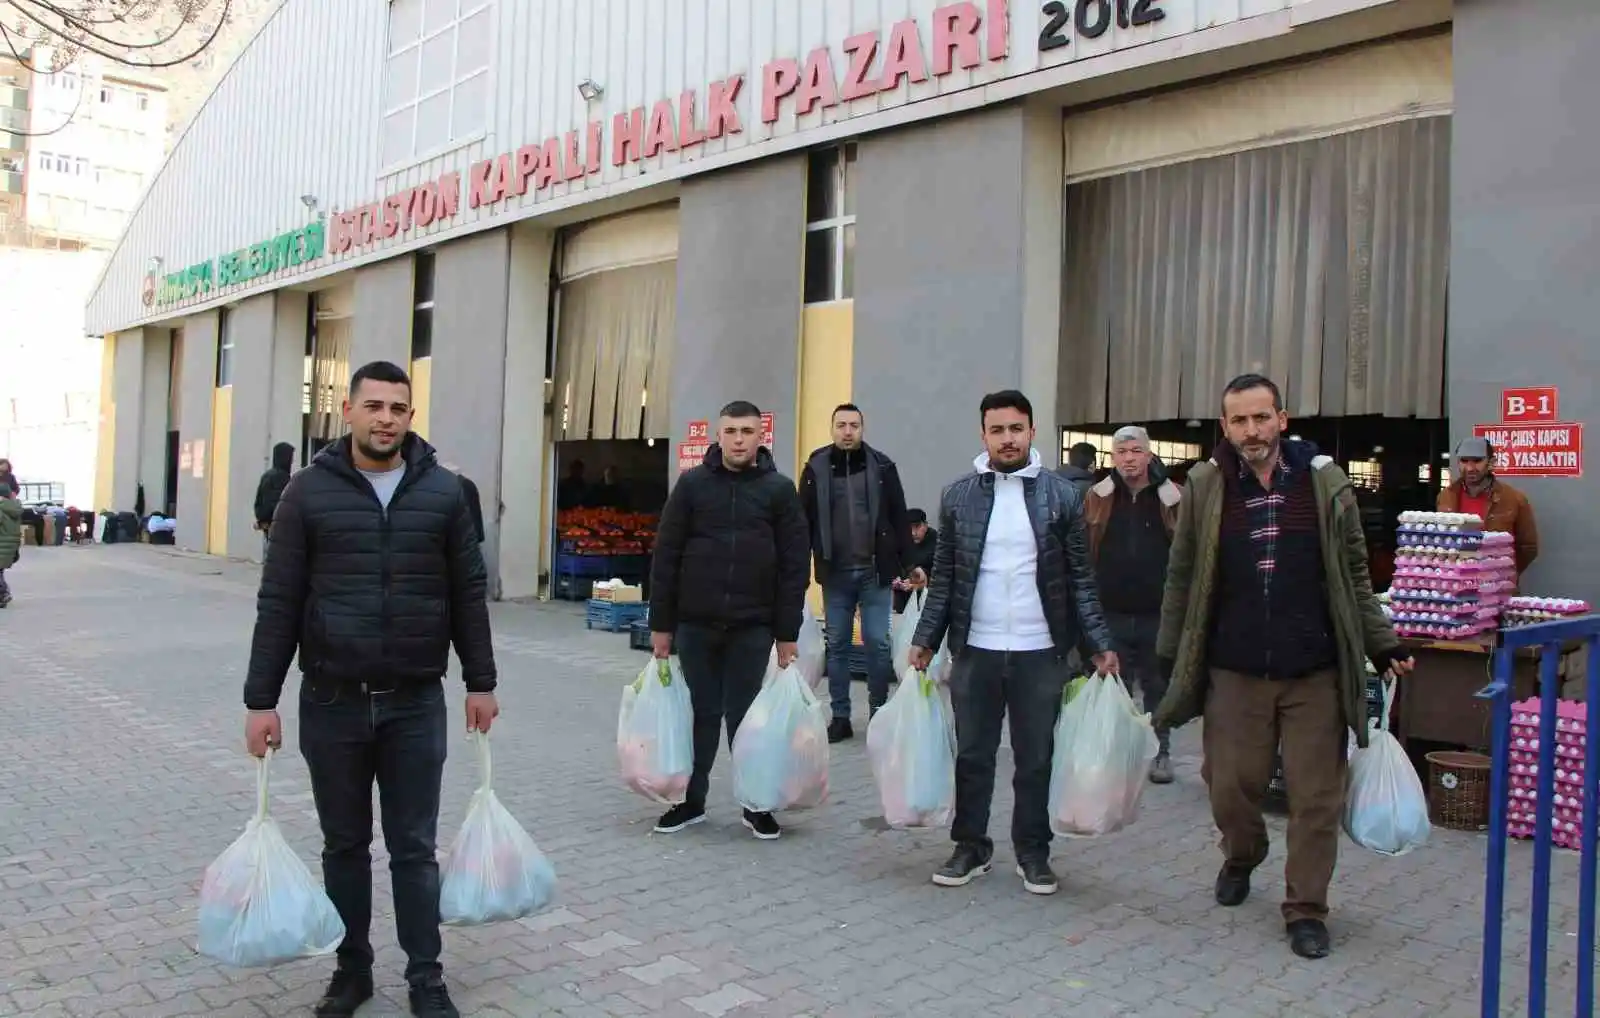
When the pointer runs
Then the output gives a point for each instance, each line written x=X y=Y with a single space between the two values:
x=1191 y=423
x=156 y=261
x=590 y=90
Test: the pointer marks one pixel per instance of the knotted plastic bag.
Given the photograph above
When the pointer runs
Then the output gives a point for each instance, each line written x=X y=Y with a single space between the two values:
x=259 y=904
x=780 y=753
x=493 y=872
x=911 y=743
x=1104 y=748
x=655 y=733
x=905 y=629
x=1385 y=806
x=811 y=656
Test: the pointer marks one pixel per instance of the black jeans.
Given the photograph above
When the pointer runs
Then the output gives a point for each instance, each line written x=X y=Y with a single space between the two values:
x=349 y=737
x=1135 y=639
x=987 y=686
x=724 y=669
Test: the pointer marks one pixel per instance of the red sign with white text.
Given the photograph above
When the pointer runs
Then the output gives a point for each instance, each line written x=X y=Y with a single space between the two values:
x=1536 y=404
x=1543 y=450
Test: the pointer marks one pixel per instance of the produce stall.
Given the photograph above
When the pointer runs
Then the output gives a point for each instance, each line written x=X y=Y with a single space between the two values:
x=600 y=544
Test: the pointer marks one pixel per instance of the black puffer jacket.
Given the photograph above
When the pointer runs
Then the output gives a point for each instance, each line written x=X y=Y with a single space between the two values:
x=368 y=594
x=731 y=550
x=1066 y=577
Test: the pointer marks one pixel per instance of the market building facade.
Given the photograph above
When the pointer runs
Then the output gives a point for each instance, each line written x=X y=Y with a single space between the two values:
x=585 y=224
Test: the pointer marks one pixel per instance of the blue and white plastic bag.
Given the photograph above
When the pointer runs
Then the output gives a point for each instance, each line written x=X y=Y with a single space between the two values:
x=780 y=754
x=493 y=873
x=1385 y=806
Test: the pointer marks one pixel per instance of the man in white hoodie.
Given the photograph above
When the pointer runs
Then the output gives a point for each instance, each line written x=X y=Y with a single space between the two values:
x=1014 y=589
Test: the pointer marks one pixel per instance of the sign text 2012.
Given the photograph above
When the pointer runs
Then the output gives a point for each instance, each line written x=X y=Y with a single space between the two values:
x=1092 y=18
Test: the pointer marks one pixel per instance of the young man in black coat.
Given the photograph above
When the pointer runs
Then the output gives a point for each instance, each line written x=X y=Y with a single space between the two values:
x=728 y=578
x=860 y=544
x=270 y=489
x=372 y=572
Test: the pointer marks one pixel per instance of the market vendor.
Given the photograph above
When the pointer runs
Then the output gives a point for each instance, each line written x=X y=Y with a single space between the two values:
x=1477 y=491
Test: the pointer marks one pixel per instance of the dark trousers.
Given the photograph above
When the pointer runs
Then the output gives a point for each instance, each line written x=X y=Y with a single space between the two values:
x=1134 y=637
x=986 y=687
x=1246 y=718
x=724 y=669
x=349 y=738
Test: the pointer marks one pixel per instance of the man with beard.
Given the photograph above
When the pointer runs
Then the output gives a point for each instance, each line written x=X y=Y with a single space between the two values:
x=372 y=572
x=728 y=578
x=1014 y=589
x=924 y=542
x=1502 y=508
x=1267 y=622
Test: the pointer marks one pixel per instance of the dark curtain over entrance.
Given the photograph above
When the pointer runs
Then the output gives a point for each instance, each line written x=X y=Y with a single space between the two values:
x=1320 y=263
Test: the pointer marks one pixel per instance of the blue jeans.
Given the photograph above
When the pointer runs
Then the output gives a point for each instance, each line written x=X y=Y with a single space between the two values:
x=845 y=589
x=350 y=738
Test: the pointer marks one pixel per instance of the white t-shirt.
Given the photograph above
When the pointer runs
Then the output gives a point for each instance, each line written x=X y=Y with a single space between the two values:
x=384 y=483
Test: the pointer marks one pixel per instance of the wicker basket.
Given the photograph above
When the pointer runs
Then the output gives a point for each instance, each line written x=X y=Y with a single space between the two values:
x=1458 y=790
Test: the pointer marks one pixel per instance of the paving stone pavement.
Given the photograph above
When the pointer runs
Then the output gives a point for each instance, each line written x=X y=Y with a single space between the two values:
x=122 y=776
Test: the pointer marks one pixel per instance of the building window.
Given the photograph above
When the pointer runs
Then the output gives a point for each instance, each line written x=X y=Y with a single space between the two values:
x=436 y=83
x=831 y=225
x=1170 y=453
x=224 y=347
x=143 y=101
x=422 y=313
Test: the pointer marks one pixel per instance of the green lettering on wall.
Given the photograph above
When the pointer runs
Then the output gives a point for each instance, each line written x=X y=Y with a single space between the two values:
x=285 y=251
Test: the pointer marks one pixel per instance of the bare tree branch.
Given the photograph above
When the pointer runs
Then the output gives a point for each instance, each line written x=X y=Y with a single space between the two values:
x=150 y=34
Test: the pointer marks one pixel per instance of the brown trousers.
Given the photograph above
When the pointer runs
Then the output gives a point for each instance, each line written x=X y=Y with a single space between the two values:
x=1246 y=719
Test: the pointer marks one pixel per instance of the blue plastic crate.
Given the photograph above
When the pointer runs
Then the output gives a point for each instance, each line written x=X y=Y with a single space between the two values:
x=613 y=617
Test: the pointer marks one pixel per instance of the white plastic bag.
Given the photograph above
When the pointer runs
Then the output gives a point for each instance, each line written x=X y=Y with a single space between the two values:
x=780 y=754
x=911 y=743
x=905 y=629
x=1385 y=806
x=259 y=905
x=493 y=873
x=812 y=654
x=655 y=733
x=1104 y=748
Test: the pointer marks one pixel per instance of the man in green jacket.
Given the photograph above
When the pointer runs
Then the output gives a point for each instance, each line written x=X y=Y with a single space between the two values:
x=1266 y=625
x=10 y=537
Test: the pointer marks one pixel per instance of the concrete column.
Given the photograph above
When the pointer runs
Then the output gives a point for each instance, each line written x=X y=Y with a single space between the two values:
x=287 y=401
x=153 y=423
x=381 y=327
x=520 y=536
x=199 y=378
x=1523 y=303
x=741 y=236
x=957 y=285
x=254 y=326
x=466 y=408
x=128 y=378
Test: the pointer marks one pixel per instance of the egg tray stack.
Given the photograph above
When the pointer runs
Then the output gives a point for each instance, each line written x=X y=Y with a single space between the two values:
x=1572 y=748
x=1529 y=611
x=1451 y=578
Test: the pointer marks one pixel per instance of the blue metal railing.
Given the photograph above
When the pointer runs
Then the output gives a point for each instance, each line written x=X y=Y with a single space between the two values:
x=1548 y=637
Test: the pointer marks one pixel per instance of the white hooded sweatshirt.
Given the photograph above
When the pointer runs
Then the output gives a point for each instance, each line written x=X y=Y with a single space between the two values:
x=1007 y=612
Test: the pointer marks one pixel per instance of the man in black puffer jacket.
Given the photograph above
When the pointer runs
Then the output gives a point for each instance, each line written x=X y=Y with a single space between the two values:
x=373 y=571
x=1014 y=588
x=728 y=577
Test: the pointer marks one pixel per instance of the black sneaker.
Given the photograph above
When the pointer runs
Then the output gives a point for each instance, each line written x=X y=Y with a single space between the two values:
x=1161 y=770
x=346 y=991
x=967 y=863
x=1037 y=876
x=1308 y=938
x=840 y=729
x=1233 y=885
x=430 y=999
x=680 y=816
x=762 y=825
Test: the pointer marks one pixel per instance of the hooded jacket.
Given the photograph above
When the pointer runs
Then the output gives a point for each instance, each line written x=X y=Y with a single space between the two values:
x=273 y=481
x=886 y=508
x=731 y=550
x=1063 y=573
x=10 y=530
x=368 y=594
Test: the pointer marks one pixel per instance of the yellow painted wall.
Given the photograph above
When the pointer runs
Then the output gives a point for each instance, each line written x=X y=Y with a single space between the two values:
x=421 y=389
x=827 y=350
x=217 y=470
x=105 y=452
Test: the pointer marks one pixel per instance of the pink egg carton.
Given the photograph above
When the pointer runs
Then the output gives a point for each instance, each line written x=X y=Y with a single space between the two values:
x=1571 y=715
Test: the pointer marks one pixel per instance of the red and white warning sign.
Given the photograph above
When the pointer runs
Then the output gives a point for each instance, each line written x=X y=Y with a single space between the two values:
x=1535 y=450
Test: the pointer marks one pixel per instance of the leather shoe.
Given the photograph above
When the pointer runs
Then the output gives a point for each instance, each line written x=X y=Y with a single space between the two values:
x=1233 y=885
x=1308 y=938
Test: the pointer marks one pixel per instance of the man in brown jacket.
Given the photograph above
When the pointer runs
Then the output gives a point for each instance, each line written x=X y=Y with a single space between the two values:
x=1266 y=627
x=1130 y=517
x=1478 y=491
